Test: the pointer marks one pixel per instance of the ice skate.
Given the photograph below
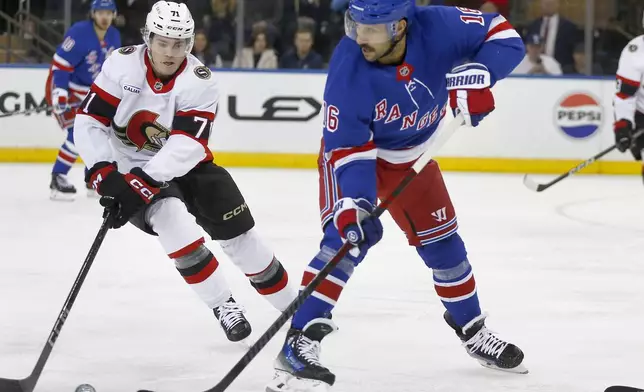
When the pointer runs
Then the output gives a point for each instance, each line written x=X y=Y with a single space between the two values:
x=232 y=320
x=482 y=345
x=298 y=367
x=61 y=189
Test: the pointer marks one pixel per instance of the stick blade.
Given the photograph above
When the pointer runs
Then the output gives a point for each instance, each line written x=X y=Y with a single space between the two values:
x=532 y=184
x=8 y=385
x=619 y=388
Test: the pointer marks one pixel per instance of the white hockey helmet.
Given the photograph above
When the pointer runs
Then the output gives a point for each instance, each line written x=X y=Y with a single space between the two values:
x=171 y=20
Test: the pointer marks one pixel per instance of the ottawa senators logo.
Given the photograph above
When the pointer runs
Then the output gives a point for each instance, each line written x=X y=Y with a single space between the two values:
x=143 y=131
x=202 y=72
x=127 y=50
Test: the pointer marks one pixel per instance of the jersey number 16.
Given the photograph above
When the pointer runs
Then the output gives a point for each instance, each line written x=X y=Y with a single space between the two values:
x=331 y=117
x=471 y=16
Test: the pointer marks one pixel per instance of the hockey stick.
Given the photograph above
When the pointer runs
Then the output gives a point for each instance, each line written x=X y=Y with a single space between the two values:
x=618 y=388
x=28 y=384
x=438 y=140
x=534 y=186
x=25 y=112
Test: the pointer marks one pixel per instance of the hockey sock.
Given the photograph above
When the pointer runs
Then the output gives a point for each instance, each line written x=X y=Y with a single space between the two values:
x=199 y=268
x=272 y=283
x=264 y=271
x=324 y=298
x=456 y=288
x=67 y=155
x=453 y=278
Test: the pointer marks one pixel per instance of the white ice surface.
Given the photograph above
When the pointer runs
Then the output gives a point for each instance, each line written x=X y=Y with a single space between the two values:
x=560 y=273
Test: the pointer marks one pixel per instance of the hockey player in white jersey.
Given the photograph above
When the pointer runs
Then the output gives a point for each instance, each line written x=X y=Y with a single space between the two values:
x=143 y=131
x=629 y=99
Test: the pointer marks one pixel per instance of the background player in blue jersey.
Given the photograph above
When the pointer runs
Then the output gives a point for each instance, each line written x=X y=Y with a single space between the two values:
x=389 y=83
x=76 y=63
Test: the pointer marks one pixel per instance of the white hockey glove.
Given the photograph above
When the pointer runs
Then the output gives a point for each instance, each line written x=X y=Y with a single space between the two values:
x=469 y=92
x=59 y=100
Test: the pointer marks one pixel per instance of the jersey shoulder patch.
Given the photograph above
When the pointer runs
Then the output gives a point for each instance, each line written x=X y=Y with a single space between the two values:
x=68 y=44
x=127 y=50
x=203 y=72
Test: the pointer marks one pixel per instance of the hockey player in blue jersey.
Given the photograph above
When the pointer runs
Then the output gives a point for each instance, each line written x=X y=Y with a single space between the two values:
x=388 y=86
x=76 y=63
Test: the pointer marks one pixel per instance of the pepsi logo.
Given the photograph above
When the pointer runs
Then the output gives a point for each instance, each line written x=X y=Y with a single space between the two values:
x=579 y=115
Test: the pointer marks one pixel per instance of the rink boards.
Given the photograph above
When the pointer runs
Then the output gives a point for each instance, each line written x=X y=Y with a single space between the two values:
x=274 y=119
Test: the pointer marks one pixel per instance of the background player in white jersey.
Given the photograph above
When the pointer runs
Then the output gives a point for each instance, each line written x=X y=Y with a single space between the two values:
x=143 y=131
x=629 y=99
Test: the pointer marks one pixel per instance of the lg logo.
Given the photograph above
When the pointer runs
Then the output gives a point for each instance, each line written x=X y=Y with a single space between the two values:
x=279 y=109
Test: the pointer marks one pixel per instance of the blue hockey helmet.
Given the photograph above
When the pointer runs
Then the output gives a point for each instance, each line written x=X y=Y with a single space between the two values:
x=98 y=5
x=362 y=16
x=379 y=11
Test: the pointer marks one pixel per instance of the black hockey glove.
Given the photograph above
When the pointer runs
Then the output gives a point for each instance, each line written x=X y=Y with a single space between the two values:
x=624 y=139
x=122 y=195
x=623 y=135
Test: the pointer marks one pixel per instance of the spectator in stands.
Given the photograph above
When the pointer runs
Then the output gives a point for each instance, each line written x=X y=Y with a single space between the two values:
x=579 y=65
x=496 y=6
x=535 y=61
x=131 y=18
x=611 y=37
x=202 y=50
x=201 y=11
x=258 y=55
x=559 y=35
x=221 y=28
x=489 y=7
x=303 y=56
x=327 y=23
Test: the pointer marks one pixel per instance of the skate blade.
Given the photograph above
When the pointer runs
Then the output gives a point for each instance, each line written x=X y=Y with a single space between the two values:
x=247 y=342
x=61 y=196
x=520 y=369
x=286 y=382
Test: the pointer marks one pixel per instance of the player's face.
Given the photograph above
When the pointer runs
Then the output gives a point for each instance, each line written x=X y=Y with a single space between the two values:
x=374 y=40
x=167 y=54
x=103 y=18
